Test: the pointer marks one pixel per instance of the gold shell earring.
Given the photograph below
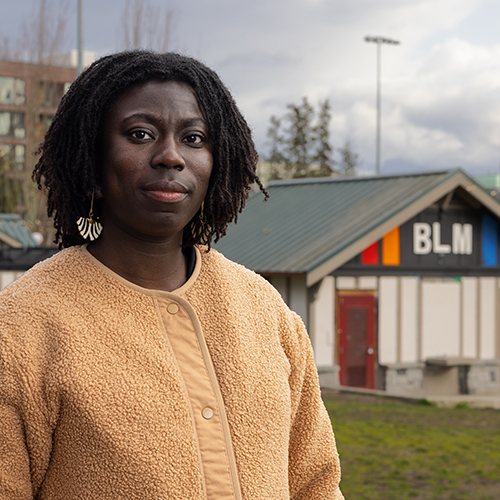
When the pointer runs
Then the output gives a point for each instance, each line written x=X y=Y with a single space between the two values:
x=203 y=230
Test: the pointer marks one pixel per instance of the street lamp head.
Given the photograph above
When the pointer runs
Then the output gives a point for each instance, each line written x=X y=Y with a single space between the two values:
x=380 y=39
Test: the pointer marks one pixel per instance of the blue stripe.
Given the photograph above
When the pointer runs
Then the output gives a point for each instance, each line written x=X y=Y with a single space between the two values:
x=489 y=241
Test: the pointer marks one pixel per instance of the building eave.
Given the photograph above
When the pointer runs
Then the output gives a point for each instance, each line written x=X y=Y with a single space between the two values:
x=355 y=245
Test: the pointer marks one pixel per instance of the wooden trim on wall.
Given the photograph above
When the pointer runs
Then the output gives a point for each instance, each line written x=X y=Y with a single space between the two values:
x=461 y=321
x=312 y=296
x=497 y=320
x=420 y=320
x=399 y=320
x=478 y=319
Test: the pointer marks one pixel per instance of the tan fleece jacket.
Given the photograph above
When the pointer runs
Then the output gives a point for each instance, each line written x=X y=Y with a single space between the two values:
x=112 y=391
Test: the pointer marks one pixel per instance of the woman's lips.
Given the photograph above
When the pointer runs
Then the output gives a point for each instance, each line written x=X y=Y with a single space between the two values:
x=166 y=196
x=166 y=191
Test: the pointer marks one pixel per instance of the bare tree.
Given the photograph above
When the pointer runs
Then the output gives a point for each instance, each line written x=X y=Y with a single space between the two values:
x=144 y=25
x=48 y=31
x=4 y=48
x=43 y=38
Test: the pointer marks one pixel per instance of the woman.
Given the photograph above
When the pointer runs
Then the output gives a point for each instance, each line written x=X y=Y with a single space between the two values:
x=137 y=362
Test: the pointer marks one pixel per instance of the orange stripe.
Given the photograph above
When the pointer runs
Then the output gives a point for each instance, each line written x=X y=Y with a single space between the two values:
x=391 y=254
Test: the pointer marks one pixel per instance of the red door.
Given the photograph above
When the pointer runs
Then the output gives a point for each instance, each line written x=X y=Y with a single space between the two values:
x=357 y=340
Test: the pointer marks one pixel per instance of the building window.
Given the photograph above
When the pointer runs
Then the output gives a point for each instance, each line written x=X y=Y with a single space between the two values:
x=12 y=91
x=52 y=93
x=43 y=124
x=12 y=157
x=12 y=125
x=11 y=177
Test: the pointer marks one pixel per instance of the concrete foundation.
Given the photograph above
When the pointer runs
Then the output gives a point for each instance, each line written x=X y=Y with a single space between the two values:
x=329 y=377
x=444 y=377
x=405 y=379
x=484 y=379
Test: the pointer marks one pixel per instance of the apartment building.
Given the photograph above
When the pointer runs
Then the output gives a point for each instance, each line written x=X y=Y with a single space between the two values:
x=29 y=96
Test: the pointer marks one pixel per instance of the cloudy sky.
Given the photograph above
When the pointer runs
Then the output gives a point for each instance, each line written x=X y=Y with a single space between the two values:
x=440 y=87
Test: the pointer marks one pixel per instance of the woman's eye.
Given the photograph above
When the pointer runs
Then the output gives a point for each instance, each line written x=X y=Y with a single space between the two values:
x=194 y=139
x=140 y=134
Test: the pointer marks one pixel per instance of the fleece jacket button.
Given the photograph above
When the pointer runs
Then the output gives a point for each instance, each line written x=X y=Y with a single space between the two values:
x=173 y=308
x=207 y=413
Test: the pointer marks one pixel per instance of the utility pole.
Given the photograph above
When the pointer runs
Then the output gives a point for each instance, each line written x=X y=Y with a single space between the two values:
x=80 y=37
x=379 y=41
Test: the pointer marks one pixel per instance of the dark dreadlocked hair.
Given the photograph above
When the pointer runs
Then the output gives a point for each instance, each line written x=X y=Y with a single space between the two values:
x=68 y=166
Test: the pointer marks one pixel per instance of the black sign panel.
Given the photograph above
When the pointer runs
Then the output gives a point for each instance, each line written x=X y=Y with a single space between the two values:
x=453 y=242
x=438 y=238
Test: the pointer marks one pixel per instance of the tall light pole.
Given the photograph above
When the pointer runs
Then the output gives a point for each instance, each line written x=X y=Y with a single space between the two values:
x=80 y=36
x=379 y=40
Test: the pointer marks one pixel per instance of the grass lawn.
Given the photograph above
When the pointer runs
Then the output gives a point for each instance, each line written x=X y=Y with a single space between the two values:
x=396 y=451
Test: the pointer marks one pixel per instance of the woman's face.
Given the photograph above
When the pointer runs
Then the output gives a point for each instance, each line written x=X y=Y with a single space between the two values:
x=156 y=160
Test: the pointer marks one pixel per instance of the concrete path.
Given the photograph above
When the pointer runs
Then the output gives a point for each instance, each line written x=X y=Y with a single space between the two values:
x=470 y=400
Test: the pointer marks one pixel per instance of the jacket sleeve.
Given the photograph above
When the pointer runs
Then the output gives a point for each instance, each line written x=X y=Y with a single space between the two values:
x=15 y=482
x=25 y=436
x=314 y=468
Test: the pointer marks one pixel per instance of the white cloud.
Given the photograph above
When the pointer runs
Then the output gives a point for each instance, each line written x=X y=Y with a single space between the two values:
x=440 y=87
x=429 y=97
x=450 y=110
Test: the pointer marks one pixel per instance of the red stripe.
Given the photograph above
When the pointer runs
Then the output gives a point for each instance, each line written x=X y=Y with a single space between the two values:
x=370 y=254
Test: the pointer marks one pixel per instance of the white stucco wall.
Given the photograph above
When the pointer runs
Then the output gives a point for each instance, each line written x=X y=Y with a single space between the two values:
x=346 y=283
x=409 y=320
x=280 y=283
x=298 y=300
x=487 y=318
x=388 y=327
x=294 y=293
x=418 y=318
x=323 y=323
x=440 y=318
x=469 y=317
x=367 y=283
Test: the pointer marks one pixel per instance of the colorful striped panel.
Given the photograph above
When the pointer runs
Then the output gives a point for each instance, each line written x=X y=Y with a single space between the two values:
x=370 y=255
x=489 y=247
x=391 y=253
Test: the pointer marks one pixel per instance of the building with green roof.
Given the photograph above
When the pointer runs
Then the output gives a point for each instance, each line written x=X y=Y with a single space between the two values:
x=18 y=249
x=396 y=277
x=14 y=232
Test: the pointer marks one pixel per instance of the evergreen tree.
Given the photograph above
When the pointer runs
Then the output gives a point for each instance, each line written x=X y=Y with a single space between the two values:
x=300 y=142
x=276 y=158
x=323 y=151
x=348 y=160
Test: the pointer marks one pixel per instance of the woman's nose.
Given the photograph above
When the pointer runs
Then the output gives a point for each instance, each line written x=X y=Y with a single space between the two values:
x=168 y=155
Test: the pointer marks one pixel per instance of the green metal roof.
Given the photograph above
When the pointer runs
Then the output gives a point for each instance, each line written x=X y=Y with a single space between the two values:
x=14 y=232
x=307 y=222
x=489 y=181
